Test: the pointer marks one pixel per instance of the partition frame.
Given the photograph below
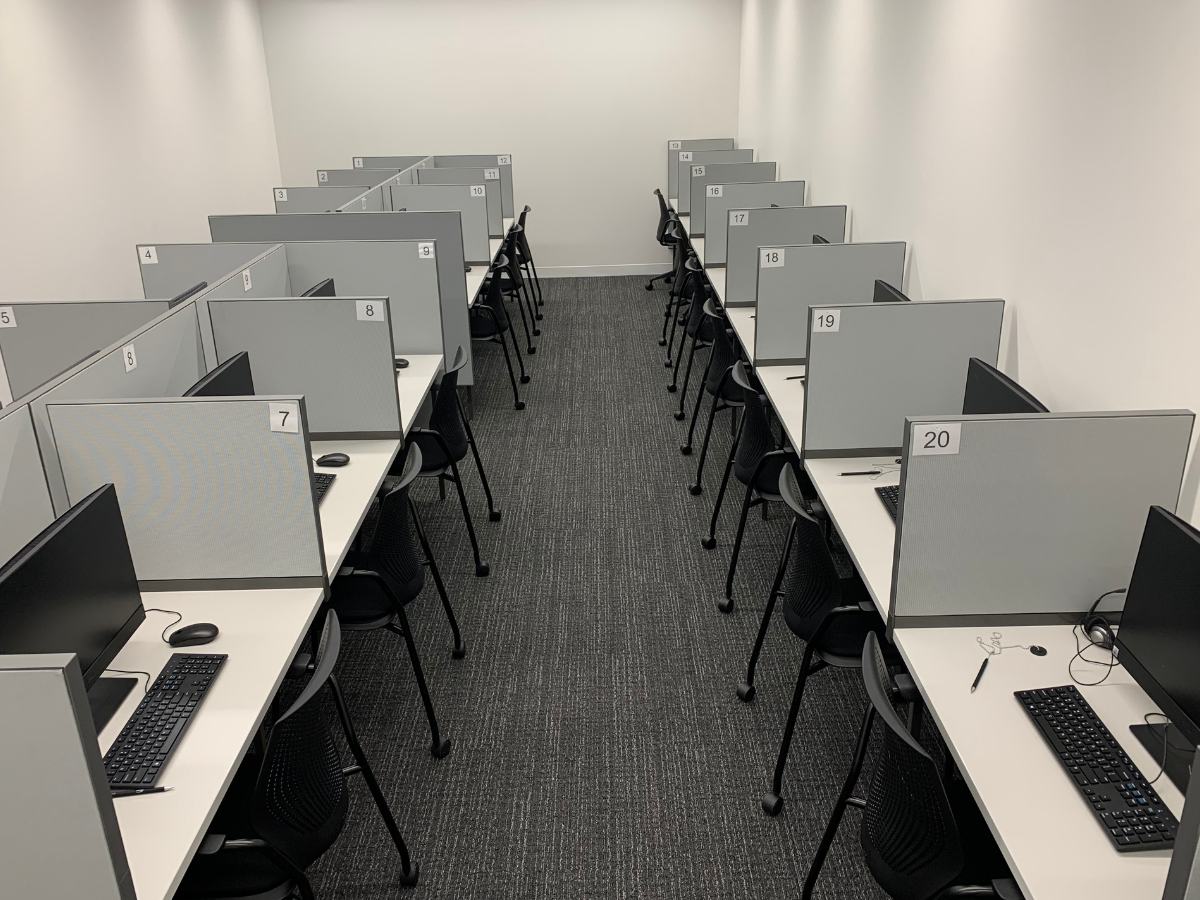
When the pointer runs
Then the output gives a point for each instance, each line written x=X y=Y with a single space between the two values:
x=704 y=158
x=719 y=210
x=675 y=147
x=744 y=241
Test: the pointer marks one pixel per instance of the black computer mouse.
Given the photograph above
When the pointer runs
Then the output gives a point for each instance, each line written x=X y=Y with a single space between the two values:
x=191 y=635
x=401 y=362
x=333 y=460
x=1037 y=651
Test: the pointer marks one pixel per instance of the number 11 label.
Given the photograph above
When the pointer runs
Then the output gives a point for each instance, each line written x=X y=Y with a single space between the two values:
x=932 y=439
x=285 y=417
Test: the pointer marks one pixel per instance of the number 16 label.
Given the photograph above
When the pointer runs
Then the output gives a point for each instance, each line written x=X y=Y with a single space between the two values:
x=932 y=439
x=285 y=417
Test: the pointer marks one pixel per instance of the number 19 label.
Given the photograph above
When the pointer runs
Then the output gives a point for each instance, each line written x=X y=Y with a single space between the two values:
x=770 y=259
x=827 y=319
x=285 y=417
x=929 y=439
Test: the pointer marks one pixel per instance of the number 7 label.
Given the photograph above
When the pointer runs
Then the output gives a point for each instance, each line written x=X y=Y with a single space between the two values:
x=285 y=417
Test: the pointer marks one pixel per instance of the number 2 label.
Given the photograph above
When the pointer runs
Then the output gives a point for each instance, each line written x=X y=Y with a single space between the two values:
x=935 y=439
x=827 y=319
x=770 y=259
x=322 y=177
x=370 y=311
x=285 y=417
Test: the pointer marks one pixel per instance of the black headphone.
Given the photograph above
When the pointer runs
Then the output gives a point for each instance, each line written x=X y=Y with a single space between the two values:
x=1097 y=628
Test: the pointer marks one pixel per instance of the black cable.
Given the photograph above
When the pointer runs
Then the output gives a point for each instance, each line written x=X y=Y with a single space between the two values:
x=178 y=618
x=1079 y=629
x=145 y=687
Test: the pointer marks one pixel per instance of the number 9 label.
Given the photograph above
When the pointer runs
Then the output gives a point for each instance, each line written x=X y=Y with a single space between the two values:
x=935 y=439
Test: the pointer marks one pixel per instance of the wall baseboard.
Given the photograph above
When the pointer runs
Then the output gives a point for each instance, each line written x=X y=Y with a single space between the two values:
x=598 y=271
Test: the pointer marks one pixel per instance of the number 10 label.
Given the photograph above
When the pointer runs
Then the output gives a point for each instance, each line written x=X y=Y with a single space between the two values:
x=932 y=439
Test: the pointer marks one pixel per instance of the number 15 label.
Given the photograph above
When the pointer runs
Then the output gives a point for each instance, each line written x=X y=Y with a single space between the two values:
x=285 y=417
x=932 y=439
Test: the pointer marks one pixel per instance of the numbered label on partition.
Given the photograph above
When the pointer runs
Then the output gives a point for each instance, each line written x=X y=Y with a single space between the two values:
x=281 y=195
x=285 y=417
x=246 y=283
x=425 y=250
x=129 y=357
x=491 y=174
x=358 y=162
x=685 y=156
x=769 y=258
x=715 y=190
x=738 y=216
x=364 y=202
x=826 y=319
x=148 y=256
x=8 y=318
x=504 y=160
x=322 y=177
x=674 y=145
x=478 y=190
x=697 y=171
x=370 y=311
x=932 y=439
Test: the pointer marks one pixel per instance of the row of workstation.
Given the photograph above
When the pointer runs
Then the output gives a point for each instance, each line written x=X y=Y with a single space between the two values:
x=1011 y=524
x=230 y=511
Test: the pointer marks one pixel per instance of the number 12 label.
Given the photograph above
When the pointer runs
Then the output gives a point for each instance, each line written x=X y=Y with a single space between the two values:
x=285 y=417
x=932 y=439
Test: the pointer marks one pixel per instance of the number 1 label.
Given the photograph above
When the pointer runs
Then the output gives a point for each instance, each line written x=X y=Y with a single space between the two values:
x=129 y=357
x=370 y=311
x=285 y=417
x=827 y=319
x=770 y=259
x=358 y=162
x=715 y=190
x=936 y=439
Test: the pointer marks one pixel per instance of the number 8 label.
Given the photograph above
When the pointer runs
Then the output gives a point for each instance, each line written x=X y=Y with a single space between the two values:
x=370 y=311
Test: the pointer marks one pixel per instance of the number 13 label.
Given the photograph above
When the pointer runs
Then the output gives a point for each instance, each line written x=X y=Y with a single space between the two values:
x=932 y=439
x=285 y=417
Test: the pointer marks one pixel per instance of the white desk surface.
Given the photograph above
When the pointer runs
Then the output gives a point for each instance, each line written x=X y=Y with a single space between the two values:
x=474 y=283
x=494 y=245
x=742 y=320
x=786 y=393
x=861 y=518
x=413 y=383
x=349 y=497
x=686 y=221
x=261 y=631
x=716 y=277
x=698 y=246
x=1053 y=844
x=507 y=221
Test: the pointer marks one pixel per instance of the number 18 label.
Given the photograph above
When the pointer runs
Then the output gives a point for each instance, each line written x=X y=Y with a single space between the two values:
x=932 y=439
x=769 y=259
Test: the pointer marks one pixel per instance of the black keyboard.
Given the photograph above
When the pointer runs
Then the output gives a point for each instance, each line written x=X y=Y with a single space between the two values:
x=322 y=480
x=890 y=495
x=145 y=743
x=1125 y=803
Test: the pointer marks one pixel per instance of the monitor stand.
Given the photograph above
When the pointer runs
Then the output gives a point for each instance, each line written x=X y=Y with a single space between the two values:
x=106 y=696
x=1179 y=751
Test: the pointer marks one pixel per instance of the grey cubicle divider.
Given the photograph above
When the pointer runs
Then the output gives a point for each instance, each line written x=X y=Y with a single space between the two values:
x=673 y=150
x=741 y=196
x=387 y=162
x=216 y=493
x=336 y=351
x=41 y=339
x=316 y=199
x=690 y=159
x=487 y=177
x=61 y=836
x=162 y=359
x=338 y=177
x=374 y=199
x=880 y=362
x=501 y=161
x=469 y=199
x=718 y=175
x=169 y=269
x=25 y=505
x=792 y=279
x=442 y=228
x=755 y=228
x=392 y=269
x=263 y=276
x=1027 y=518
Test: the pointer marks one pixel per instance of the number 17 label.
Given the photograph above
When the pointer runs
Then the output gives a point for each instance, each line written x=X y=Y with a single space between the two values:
x=934 y=439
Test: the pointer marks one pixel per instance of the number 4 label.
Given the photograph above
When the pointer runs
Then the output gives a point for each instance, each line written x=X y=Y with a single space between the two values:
x=425 y=250
x=148 y=256
x=714 y=190
x=935 y=439
x=129 y=357
x=370 y=311
x=827 y=319
x=769 y=259
x=285 y=417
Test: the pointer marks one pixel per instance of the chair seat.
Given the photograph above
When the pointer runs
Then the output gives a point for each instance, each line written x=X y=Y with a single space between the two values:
x=433 y=456
x=767 y=485
x=485 y=327
x=234 y=875
x=841 y=644
x=359 y=601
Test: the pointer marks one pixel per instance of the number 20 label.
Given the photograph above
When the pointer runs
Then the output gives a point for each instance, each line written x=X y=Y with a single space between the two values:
x=285 y=417
x=934 y=439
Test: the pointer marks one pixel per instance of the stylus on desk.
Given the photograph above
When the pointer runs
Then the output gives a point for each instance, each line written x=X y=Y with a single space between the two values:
x=794 y=377
x=134 y=792
x=867 y=472
x=979 y=677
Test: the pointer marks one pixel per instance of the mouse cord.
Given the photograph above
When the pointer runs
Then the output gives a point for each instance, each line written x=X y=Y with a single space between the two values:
x=1082 y=648
x=994 y=647
x=171 y=612
x=145 y=687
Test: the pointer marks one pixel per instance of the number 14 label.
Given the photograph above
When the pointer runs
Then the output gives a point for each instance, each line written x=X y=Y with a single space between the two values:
x=934 y=439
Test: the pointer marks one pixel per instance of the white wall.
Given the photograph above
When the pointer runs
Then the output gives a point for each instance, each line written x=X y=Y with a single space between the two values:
x=566 y=87
x=1046 y=153
x=124 y=121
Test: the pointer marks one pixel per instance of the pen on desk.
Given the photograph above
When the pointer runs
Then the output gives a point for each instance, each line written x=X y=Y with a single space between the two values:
x=867 y=472
x=134 y=792
x=979 y=677
x=794 y=377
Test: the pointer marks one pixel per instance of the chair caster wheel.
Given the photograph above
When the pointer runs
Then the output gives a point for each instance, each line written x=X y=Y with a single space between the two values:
x=524 y=379
x=458 y=652
x=520 y=404
x=708 y=543
x=745 y=692
x=662 y=343
x=667 y=364
x=696 y=489
x=725 y=605
x=494 y=515
x=649 y=287
x=482 y=570
x=412 y=876
x=772 y=804
x=686 y=449
x=671 y=388
x=537 y=332
x=678 y=416
x=442 y=750
x=531 y=350
x=539 y=318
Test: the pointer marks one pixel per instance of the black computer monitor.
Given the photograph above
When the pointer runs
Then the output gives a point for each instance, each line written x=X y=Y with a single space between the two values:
x=885 y=293
x=179 y=298
x=72 y=589
x=1158 y=641
x=321 y=289
x=230 y=379
x=991 y=393
x=817 y=239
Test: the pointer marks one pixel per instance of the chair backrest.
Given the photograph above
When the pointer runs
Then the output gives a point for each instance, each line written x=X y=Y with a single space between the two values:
x=757 y=438
x=493 y=297
x=300 y=798
x=445 y=418
x=395 y=552
x=909 y=837
x=664 y=216
x=723 y=353
x=699 y=325
x=521 y=218
x=812 y=586
x=513 y=267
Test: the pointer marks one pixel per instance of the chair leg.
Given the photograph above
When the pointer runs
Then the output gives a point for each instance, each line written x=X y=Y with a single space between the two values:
x=516 y=351
x=410 y=871
x=518 y=403
x=459 y=650
x=438 y=747
x=493 y=513
x=747 y=502
x=516 y=296
x=481 y=568
x=674 y=327
x=674 y=385
x=745 y=690
x=538 y=282
x=534 y=315
x=667 y=317
x=844 y=799
x=772 y=803
x=687 y=377
x=698 y=487
x=686 y=449
x=710 y=542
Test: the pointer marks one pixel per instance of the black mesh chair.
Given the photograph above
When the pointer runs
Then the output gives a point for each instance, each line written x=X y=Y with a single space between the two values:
x=515 y=289
x=489 y=322
x=692 y=289
x=525 y=257
x=373 y=588
x=699 y=328
x=830 y=614
x=665 y=238
x=922 y=839
x=444 y=444
x=287 y=805
x=718 y=384
x=678 y=274
x=756 y=459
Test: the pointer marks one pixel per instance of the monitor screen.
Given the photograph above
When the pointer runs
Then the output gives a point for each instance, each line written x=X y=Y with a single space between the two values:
x=230 y=379
x=1158 y=641
x=72 y=589
x=321 y=289
x=179 y=298
x=885 y=293
x=817 y=239
x=992 y=393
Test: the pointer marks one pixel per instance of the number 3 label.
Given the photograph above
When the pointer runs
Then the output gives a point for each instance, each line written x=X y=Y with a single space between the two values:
x=827 y=319
x=935 y=439
x=370 y=311
x=281 y=195
x=769 y=259
x=285 y=417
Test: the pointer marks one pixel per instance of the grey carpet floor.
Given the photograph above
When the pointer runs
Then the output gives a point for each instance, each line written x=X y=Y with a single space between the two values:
x=599 y=749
